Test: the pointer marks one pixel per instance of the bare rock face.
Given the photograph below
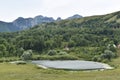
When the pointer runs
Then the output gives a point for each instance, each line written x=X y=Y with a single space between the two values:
x=24 y=23
x=41 y=19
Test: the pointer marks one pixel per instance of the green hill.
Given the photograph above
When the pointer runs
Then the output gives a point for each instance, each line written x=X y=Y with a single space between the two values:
x=91 y=38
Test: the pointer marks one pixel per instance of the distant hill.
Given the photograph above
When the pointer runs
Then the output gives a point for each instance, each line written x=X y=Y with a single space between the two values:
x=75 y=16
x=26 y=23
x=8 y=27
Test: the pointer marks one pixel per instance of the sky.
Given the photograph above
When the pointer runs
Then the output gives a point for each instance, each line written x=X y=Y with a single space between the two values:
x=12 y=9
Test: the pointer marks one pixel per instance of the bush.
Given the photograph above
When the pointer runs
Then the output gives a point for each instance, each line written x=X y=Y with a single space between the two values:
x=62 y=53
x=108 y=55
x=95 y=58
x=27 y=55
x=52 y=52
x=105 y=60
x=55 y=57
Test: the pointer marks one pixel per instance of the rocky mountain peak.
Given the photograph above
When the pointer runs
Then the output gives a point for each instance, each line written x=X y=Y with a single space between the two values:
x=75 y=16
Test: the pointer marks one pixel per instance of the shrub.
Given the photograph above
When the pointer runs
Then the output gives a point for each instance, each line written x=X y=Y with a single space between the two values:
x=52 y=52
x=62 y=53
x=27 y=55
x=108 y=55
x=95 y=58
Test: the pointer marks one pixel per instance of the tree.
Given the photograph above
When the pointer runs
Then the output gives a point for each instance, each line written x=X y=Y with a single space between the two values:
x=108 y=55
x=27 y=55
x=2 y=50
x=71 y=43
x=19 y=52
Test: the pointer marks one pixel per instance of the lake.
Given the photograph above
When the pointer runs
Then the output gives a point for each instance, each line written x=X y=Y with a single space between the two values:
x=72 y=64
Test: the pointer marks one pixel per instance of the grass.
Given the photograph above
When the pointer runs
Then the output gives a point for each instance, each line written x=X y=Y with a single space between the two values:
x=31 y=72
x=8 y=59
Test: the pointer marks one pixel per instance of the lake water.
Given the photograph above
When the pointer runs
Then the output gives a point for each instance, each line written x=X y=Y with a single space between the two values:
x=71 y=64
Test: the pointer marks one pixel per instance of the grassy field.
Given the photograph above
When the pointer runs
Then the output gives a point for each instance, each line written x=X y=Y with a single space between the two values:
x=31 y=72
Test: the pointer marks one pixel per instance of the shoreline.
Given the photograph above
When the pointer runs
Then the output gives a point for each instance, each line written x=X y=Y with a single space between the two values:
x=44 y=67
x=106 y=66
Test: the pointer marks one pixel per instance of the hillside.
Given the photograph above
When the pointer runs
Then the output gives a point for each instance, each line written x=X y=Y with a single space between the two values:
x=90 y=38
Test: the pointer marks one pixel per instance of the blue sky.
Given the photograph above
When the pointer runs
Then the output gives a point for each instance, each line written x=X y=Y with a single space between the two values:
x=11 y=9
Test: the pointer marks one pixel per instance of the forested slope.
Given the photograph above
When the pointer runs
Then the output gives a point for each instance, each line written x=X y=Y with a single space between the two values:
x=90 y=38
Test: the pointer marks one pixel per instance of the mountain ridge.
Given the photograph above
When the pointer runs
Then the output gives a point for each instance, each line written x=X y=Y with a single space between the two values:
x=24 y=23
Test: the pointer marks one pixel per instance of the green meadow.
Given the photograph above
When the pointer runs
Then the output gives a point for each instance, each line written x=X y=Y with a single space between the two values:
x=32 y=72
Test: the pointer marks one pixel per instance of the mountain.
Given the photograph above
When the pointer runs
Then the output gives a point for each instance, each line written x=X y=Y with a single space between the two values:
x=59 y=19
x=25 y=23
x=7 y=27
x=75 y=16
